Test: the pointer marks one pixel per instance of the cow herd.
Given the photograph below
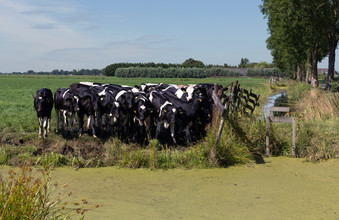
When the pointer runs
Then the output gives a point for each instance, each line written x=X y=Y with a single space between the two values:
x=170 y=113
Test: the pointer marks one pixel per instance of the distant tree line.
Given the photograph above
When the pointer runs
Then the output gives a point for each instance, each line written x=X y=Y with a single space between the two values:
x=189 y=69
x=265 y=72
x=64 y=72
x=175 y=72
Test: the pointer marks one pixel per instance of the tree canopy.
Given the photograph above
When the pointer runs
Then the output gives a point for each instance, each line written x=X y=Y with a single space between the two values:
x=299 y=34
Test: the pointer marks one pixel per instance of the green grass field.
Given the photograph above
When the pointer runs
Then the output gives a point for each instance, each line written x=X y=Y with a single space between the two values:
x=19 y=130
x=16 y=103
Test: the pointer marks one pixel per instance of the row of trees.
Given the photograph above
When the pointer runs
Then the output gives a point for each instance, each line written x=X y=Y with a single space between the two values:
x=189 y=68
x=175 y=72
x=110 y=70
x=196 y=72
x=64 y=72
x=302 y=33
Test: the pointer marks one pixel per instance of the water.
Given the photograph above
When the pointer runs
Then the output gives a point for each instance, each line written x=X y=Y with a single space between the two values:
x=271 y=101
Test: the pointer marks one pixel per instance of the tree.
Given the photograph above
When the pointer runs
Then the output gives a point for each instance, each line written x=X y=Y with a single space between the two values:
x=329 y=9
x=193 y=63
x=296 y=36
x=243 y=63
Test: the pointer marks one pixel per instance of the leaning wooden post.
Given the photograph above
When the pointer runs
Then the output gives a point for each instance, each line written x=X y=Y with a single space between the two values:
x=293 y=137
x=267 y=136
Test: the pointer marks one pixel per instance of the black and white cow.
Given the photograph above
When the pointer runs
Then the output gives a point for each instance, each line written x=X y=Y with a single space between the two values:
x=188 y=112
x=82 y=91
x=65 y=104
x=143 y=117
x=43 y=104
x=166 y=114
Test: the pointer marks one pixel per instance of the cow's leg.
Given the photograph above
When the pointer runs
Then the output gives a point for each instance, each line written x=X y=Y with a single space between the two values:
x=49 y=124
x=88 y=122
x=41 y=121
x=188 y=135
x=71 y=123
x=147 y=124
x=110 y=125
x=45 y=126
x=104 y=124
x=62 y=119
x=57 y=111
x=92 y=124
x=158 y=129
x=173 y=133
x=64 y=113
x=81 y=123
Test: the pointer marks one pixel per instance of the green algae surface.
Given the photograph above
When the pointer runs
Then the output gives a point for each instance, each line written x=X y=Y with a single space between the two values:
x=282 y=188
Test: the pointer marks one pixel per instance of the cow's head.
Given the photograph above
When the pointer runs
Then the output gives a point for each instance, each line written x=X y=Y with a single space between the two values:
x=43 y=101
x=167 y=112
x=85 y=100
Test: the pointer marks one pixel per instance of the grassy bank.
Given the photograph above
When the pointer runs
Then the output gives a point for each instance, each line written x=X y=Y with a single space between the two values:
x=317 y=121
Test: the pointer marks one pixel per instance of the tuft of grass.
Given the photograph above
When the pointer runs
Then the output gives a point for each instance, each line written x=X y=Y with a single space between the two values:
x=51 y=160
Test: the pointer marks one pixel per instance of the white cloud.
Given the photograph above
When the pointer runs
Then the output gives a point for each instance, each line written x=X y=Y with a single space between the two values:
x=29 y=30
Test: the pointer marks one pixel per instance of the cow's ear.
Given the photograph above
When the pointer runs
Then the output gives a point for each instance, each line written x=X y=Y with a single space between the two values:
x=33 y=96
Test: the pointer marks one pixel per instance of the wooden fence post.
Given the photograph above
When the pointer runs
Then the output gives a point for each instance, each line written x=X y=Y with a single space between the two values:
x=267 y=136
x=279 y=120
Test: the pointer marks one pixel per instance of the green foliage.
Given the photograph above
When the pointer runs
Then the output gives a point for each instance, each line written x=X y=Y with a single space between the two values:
x=159 y=72
x=10 y=155
x=298 y=39
x=110 y=70
x=51 y=160
x=317 y=133
x=193 y=63
x=243 y=63
x=266 y=72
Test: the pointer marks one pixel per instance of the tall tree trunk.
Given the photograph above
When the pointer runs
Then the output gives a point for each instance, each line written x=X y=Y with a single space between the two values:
x=331 y=62
x=314 y=66
x=300 y=71
x=308 y=71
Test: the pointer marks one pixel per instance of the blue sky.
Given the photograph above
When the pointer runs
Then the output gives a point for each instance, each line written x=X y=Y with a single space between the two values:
x=43 y=35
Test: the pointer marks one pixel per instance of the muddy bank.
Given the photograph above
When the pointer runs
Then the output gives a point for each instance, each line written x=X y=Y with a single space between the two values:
x=282 y=188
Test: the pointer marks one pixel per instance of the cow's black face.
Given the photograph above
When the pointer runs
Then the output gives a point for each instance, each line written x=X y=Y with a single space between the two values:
x=168 y=113
x=106 y=104
x=142 y=111
x=69 y=104
x=129 y=98
x=42 y=104
x=200 y=93
x=86 y=102
x=115 y=110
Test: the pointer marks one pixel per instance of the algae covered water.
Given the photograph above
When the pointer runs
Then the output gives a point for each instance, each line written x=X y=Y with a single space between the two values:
x=281 y=188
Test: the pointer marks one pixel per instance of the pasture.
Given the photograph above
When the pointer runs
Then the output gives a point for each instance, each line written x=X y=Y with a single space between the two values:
x=19 y=130
x=16 y=103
